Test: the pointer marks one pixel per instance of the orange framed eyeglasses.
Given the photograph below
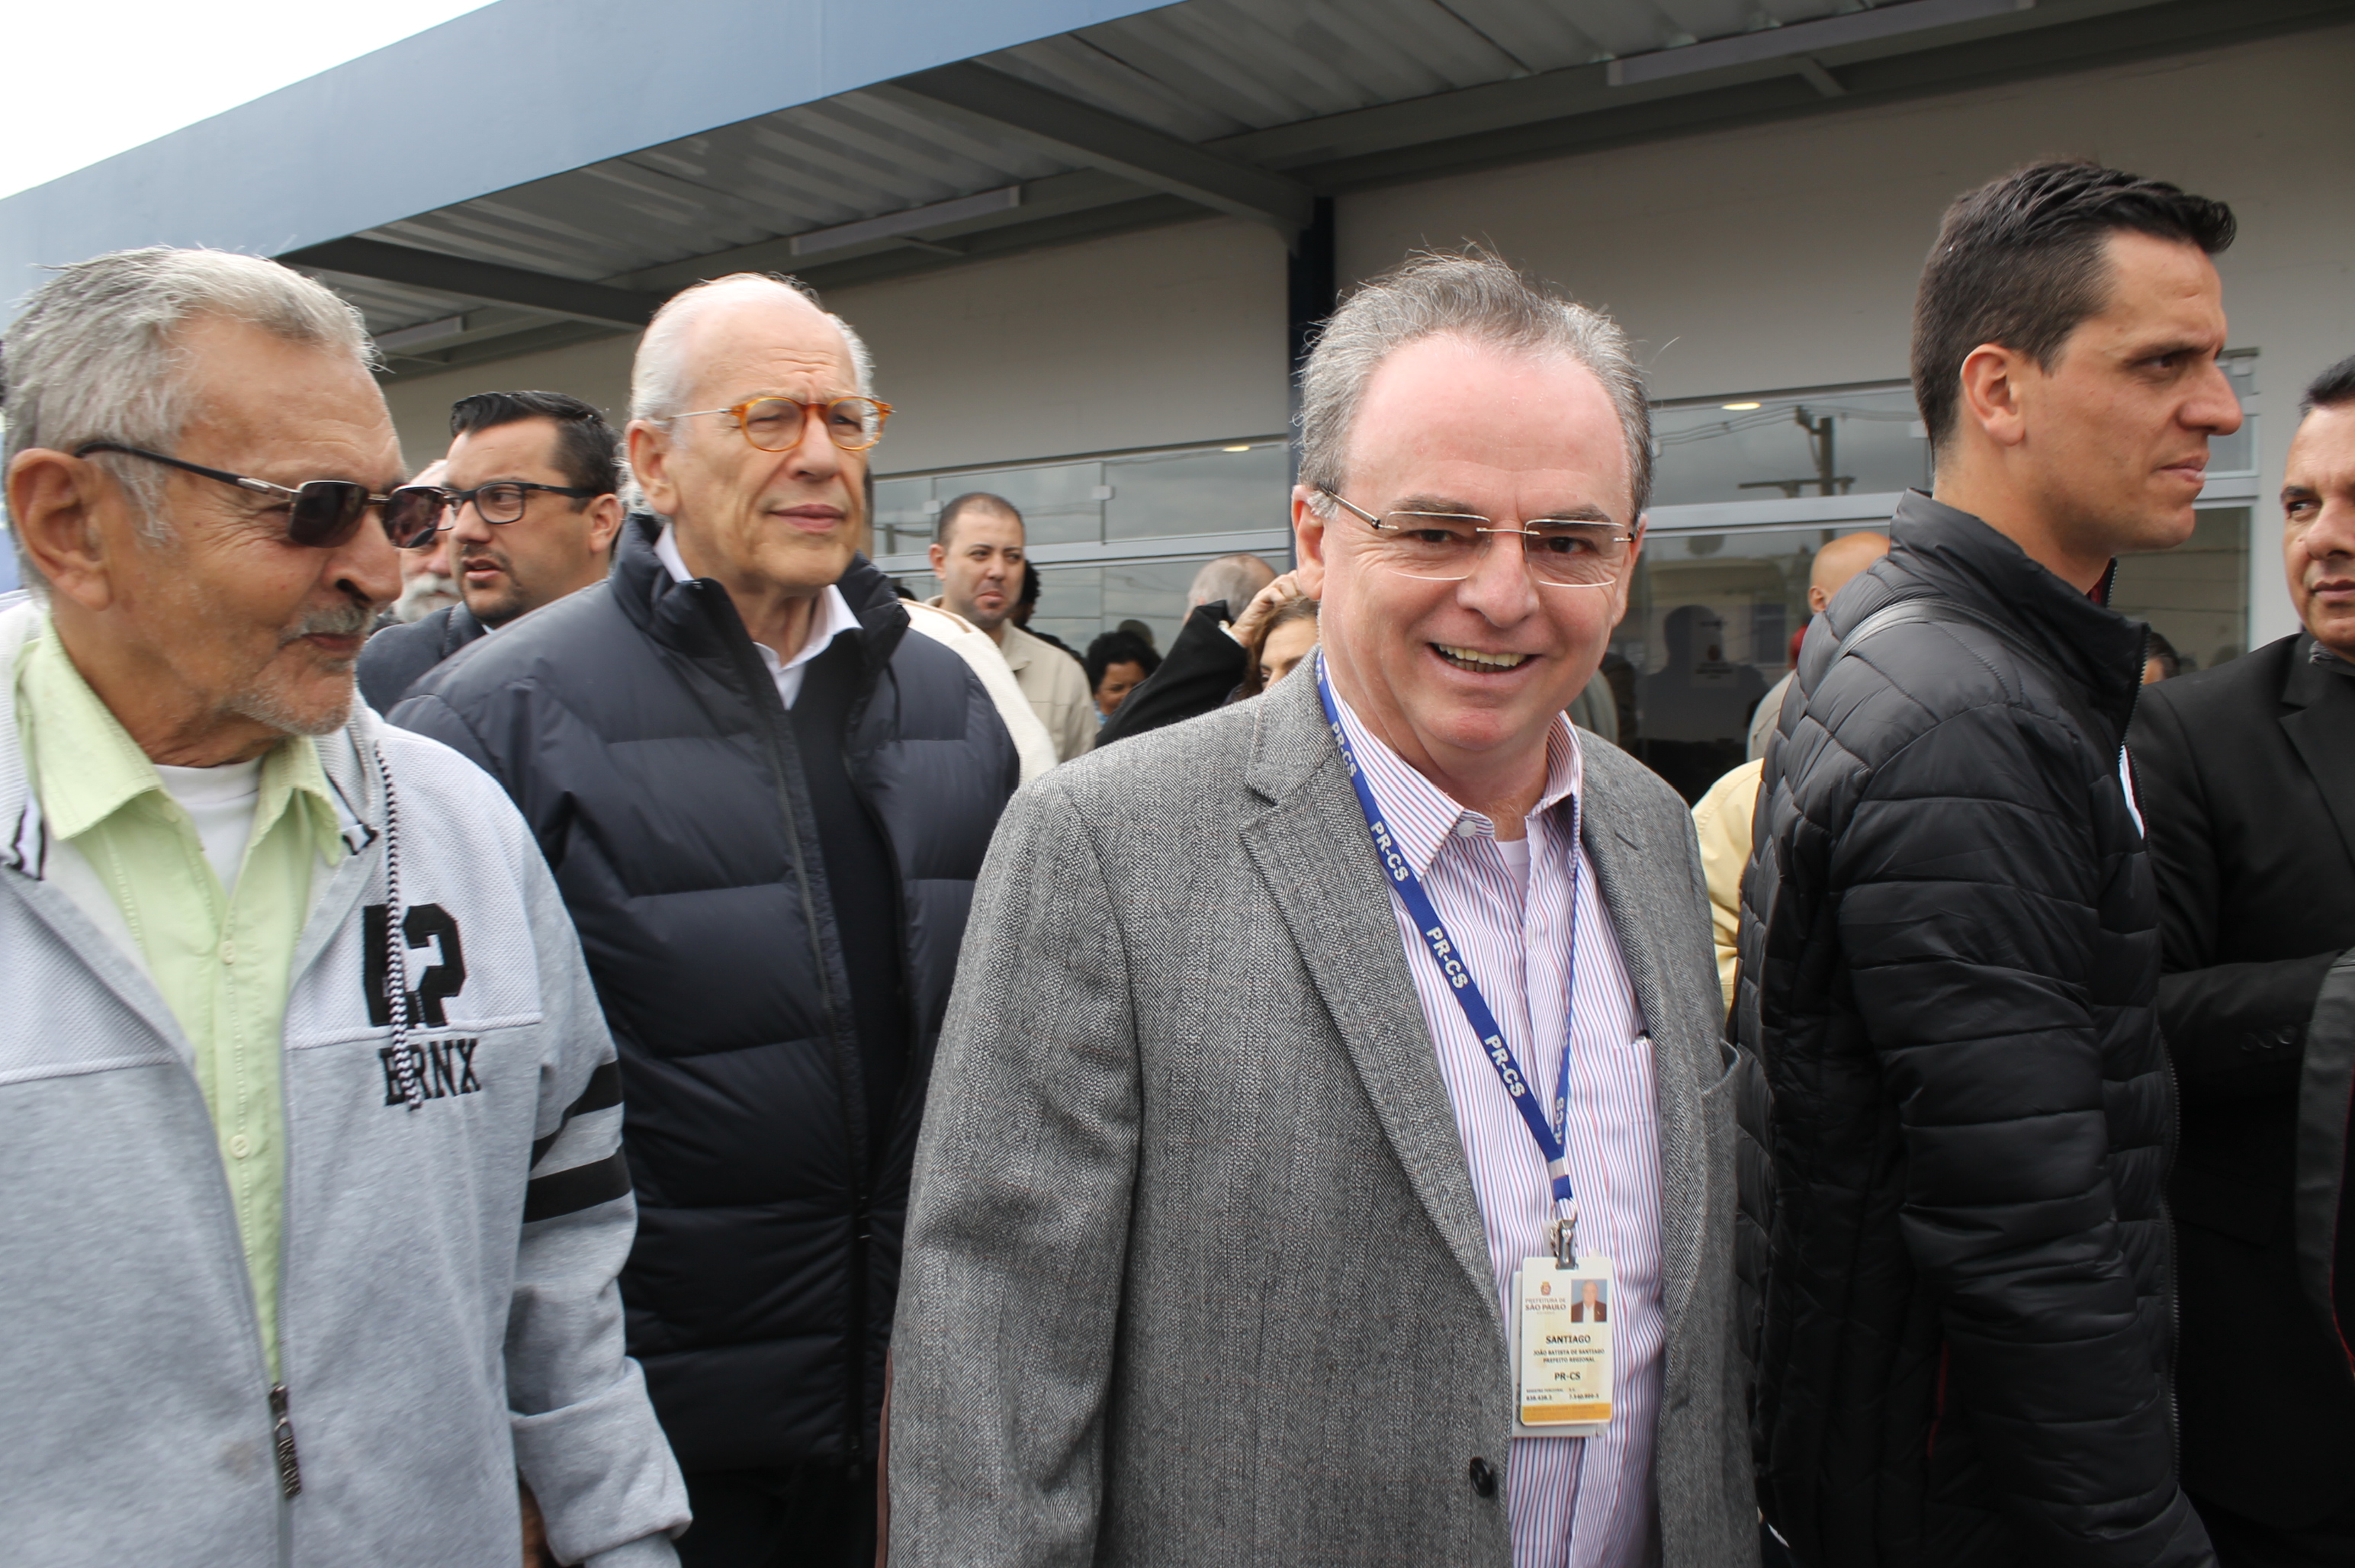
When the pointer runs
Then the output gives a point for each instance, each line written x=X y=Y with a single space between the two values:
x=775 y=424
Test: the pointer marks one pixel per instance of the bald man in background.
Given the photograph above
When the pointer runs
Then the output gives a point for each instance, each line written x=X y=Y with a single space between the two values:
x=1835 y=564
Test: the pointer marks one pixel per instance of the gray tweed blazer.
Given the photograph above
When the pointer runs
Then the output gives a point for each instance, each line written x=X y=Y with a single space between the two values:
x=1194 y=1273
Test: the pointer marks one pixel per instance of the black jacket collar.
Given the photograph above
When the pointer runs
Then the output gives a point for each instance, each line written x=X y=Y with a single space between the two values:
x=1960 y=558
x=698 y=618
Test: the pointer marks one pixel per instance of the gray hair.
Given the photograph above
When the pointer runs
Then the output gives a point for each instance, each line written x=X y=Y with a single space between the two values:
x=1465 y=294
x=660 y=377
x=1234 y=579
x=96 y=354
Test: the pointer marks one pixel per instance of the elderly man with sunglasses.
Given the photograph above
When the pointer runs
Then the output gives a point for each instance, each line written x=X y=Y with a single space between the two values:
x=532 y=483
x=766 y=803
x=1311 y=1059
x=308 y=1119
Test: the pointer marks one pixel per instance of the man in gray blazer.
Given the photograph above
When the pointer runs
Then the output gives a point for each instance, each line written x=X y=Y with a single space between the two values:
x=1302 y=1054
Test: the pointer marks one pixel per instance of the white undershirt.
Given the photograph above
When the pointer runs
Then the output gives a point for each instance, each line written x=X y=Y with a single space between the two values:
x=830 y=618
x=1515 y=852
x=220 y=804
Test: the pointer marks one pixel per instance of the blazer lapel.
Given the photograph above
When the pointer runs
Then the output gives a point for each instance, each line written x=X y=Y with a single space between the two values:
x=1310 y=846
x=1635 y=884
x=2321 y=725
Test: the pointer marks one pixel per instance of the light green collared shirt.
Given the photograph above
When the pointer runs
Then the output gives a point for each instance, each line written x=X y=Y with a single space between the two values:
x=221 y=960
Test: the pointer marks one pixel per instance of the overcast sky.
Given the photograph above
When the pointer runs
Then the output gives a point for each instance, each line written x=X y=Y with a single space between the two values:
x=91 y=80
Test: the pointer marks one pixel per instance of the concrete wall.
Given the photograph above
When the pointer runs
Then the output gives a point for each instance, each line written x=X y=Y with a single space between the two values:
x=1149 y=340
x=1785 y=255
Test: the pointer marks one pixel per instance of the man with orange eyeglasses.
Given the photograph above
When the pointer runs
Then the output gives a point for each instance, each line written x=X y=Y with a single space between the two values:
x=766 y=803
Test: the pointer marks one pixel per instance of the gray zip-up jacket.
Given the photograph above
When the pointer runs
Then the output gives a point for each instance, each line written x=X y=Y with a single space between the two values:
x=448 y=1315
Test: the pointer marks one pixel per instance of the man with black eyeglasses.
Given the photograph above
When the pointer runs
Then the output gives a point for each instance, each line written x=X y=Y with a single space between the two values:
x=309 y=1122
x=533 y=480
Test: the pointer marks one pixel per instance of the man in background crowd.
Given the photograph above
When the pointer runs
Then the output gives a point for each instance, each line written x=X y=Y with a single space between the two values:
x=426 y=584
x=1223 y=1200
x=2159 y=661
x=2247 y=777
x=1829 y=572
x=309 y=1125
x=533 y=480
x=766 y=802
x=977 y=554
x=1212 y=655
x=1949 y=942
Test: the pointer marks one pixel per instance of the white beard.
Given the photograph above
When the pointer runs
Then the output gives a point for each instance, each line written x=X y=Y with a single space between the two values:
x=423 y=594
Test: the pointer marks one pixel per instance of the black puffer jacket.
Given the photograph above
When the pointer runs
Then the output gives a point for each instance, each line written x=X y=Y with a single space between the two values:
x=1949 y=958
x=642 y=739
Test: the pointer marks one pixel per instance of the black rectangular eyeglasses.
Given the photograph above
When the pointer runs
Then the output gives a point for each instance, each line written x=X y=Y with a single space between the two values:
x=503 y=500
x=321 y=514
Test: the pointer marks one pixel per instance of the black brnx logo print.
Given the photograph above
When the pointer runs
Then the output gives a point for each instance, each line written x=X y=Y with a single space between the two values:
x=445 y=1067
x=422 y=925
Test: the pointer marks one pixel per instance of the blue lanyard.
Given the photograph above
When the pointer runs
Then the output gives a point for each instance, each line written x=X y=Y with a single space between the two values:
x=1553 y=1135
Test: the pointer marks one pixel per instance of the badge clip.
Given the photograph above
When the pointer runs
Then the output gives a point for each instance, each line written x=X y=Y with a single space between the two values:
x=1563 y=1232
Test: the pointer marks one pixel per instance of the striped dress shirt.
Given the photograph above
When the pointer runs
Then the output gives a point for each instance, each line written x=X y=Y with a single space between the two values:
x=1581 y=1502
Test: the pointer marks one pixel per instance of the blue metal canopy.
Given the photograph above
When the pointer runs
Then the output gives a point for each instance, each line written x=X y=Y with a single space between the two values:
x=543 y=171
x=500 y=97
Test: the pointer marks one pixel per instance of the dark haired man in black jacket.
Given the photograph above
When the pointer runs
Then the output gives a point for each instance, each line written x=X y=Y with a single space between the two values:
x=2247 y=774
x=1949 y=944
x=766 y=803
x=535 y=480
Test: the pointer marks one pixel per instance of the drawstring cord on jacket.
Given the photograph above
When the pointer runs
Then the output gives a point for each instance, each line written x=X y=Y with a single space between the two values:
x=404 y=1067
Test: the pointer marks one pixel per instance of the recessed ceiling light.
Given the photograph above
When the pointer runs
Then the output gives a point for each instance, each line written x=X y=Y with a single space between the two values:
x=1738 y=408
x=1245 y=447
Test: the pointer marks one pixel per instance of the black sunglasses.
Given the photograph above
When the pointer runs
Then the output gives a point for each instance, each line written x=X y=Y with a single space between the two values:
x=322 y=514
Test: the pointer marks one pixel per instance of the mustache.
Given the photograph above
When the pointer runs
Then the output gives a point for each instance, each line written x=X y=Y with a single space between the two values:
x=348 y=619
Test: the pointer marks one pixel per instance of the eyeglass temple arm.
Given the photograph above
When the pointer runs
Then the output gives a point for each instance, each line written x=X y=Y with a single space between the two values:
x=242 y=481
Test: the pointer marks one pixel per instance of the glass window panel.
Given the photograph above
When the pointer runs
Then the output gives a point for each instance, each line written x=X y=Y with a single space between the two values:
x=1830 y=445
x=1058 y=502
x=2197 y=594
x=903 y=523
x=1708 y=630
x=1078 y=603
x=1199 y=493
x=1070 y=604
x=2237 y=453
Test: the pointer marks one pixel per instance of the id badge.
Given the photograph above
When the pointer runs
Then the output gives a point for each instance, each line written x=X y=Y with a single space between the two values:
x=1562 y=1320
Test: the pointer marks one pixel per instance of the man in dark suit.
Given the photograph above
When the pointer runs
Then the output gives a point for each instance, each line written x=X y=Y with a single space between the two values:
x=532 y=478
x=2246 y=774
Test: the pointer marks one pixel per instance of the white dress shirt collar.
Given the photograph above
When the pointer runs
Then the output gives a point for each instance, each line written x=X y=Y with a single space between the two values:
x=1422 y=814
x=830 y=619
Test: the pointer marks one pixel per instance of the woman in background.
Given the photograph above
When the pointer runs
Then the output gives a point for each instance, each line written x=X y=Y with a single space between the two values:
x=1117 y=662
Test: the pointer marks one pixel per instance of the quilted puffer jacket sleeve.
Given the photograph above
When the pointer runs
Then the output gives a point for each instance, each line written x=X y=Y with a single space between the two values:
x=1969 y=900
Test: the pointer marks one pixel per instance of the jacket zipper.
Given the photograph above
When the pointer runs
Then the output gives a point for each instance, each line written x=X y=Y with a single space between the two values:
x=750 y=668
x=281 y=1439
x=2167 y=1062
